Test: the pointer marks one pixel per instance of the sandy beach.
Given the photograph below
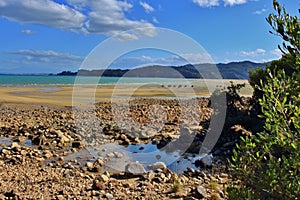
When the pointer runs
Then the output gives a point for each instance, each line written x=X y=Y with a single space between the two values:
x=63 y=95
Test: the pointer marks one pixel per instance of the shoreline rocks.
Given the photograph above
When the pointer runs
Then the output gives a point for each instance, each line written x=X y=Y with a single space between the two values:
x=36 y=160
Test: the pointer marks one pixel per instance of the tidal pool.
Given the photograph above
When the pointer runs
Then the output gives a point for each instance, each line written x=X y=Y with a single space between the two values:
x=146 y=154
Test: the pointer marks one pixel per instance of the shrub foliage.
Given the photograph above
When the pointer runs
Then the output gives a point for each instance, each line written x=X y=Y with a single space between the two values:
x=267 y=165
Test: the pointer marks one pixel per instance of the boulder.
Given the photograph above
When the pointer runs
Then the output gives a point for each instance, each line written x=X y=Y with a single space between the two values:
x=135 y=168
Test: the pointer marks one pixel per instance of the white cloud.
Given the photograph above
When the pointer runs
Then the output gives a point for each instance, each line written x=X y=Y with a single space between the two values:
x=42 y=12
x=206 y=3
x=234 y=2
x=39 y=61
x=196 y=58
x=258 y=55
x=147 y=7
x=155 y=20
x=211 y=3
x=126 y=36
x=102 y=16
x=108 y=17
x=259 y=12
x=277 y=53
x=46 y=56
x=255 y=53
x=171 y=60
x=28 y=32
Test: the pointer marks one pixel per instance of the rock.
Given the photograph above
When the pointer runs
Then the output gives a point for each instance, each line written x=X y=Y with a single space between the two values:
x=221 y=193
x=207 y=160
x=39 y=140
x=77 y=144
x=23 y=152
x=109 y=196
x=62 y=138
x=189 y=169
x=229 y=144
x=201 y=191
x=15 y=145
x=217 y=152
x=157 y=165
x=185 y=131
x=151 y=175
x=118 y=155
x=97 y=185
x=104 y=178
x=196 y=128
x=135 y=168
x=48 y=155
x=110 y=155
x=90 y=165
x=5 y=152
x=100 y=162
x=106 y=173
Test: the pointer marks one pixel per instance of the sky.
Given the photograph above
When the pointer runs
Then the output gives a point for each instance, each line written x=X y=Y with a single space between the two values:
x=50 y=36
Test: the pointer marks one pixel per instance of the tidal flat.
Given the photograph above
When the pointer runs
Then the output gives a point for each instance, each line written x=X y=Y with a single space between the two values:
x=52 y=149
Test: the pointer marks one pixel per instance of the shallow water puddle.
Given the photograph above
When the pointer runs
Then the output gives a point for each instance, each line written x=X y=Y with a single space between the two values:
x=6 y=142
x=146 y=154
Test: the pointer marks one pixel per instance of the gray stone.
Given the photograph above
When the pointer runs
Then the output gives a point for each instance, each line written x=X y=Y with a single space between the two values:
x=207 y=160
x=201 y=191
x=229 y=144
x=185 y=131
x=135 y=168
x=109 y=196
x=157 y=165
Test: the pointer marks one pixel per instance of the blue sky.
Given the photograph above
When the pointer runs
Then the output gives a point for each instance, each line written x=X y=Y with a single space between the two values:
x=41 y=36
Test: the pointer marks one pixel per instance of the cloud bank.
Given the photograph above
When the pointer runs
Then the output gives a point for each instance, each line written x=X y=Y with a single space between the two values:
x=106 y=17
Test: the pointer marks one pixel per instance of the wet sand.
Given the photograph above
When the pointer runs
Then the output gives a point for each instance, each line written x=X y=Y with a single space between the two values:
x=59 y=96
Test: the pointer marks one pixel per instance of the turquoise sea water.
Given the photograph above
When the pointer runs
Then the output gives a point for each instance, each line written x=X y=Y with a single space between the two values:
x=70 y=80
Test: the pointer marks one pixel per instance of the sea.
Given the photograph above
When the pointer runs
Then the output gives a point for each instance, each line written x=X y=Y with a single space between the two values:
x=31 y=80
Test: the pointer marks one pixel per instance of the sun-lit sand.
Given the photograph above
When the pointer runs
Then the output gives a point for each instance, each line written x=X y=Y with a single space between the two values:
x=65 y=95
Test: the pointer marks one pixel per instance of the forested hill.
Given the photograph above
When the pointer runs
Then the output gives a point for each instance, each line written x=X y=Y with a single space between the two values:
x=233 y=70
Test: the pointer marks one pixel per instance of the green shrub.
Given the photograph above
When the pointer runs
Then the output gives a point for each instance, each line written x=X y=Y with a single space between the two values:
x=267 y=165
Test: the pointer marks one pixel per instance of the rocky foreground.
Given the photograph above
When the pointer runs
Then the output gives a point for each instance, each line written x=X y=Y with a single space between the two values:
x=37 y=142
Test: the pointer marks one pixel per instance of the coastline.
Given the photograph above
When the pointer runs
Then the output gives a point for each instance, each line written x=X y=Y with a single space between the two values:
x=40 y=134
x=58 y=95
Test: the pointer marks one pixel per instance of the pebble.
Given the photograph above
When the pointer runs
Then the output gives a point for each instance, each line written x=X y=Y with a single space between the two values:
x=201 y=191
x=97 y=185
x=104 y=178
x=58 y=138
x=109 y=196
x=157 y=165
x=15 y=145
x=207 y=160
x=90 y=165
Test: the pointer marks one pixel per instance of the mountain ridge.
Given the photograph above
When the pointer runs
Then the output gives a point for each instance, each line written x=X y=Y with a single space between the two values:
x=231 y=70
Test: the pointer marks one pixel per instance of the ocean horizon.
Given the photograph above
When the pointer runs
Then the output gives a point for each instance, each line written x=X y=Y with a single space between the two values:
x=31 y=80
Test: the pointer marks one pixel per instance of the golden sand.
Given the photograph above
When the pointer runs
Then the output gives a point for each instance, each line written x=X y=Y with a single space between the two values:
x=65 y=95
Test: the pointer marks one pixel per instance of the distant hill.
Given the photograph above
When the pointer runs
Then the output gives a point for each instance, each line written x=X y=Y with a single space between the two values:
x=233 y=70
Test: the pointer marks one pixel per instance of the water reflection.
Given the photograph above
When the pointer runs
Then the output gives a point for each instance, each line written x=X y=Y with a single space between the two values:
x=147 y=154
